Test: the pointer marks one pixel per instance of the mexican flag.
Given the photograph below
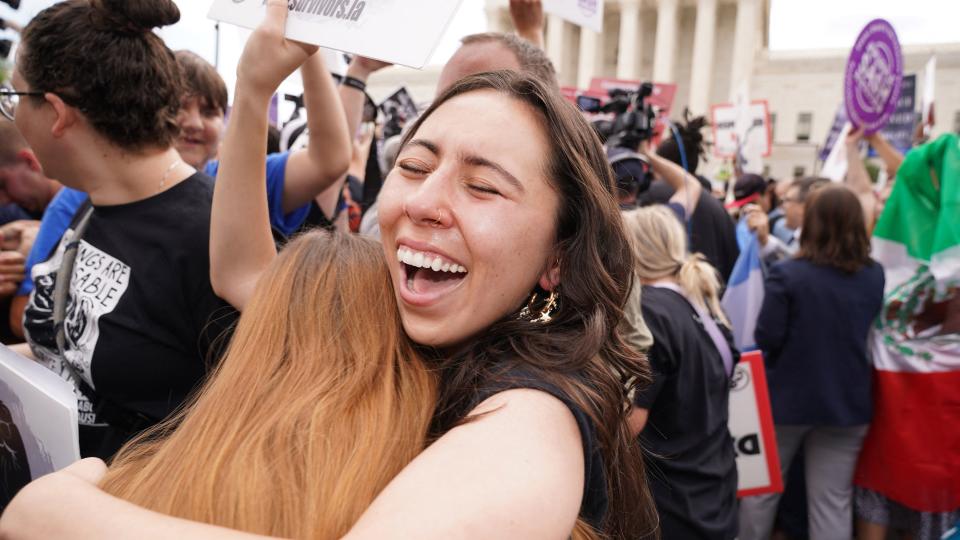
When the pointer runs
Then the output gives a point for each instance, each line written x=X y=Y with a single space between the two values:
x=912 y=453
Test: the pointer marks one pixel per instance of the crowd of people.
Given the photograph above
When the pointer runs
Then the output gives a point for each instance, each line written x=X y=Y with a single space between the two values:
x=461 y=331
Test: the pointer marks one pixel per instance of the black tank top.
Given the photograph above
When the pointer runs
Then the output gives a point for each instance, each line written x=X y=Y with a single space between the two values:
x=593 y=507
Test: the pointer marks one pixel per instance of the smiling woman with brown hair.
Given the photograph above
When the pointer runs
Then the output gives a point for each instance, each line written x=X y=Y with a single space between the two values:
x=510 y=268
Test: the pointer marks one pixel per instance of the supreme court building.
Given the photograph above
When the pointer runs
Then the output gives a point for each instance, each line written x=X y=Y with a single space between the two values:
x=709 y=48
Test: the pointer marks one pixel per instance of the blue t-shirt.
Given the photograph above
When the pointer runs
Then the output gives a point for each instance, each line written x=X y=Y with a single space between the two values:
x=60 y=212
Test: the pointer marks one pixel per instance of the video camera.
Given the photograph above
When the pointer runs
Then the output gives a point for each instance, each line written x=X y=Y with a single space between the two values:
x=634 y=116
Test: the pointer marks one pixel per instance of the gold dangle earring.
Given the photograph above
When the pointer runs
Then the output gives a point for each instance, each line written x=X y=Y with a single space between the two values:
x=546 y=313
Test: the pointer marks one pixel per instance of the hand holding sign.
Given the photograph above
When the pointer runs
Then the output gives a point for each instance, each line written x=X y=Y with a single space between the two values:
x=527 y=18
x=269 y=57
x=404 y=33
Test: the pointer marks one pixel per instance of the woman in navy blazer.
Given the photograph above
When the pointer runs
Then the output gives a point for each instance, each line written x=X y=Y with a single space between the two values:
x=813 y=326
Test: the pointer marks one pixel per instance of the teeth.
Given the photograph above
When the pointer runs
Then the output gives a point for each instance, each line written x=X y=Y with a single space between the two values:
x=420 y=260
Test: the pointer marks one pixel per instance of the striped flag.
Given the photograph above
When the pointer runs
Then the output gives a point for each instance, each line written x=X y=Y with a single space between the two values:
x=912 y=453
x=744 y=295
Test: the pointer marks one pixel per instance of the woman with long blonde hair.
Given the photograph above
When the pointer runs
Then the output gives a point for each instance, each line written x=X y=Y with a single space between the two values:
x=320 y=401
x=692 y=359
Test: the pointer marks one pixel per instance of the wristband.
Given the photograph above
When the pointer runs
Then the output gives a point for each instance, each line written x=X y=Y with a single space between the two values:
x=354 y=82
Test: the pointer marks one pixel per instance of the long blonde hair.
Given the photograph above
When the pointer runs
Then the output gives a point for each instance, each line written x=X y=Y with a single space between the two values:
x=319 y=402
x=660 y=248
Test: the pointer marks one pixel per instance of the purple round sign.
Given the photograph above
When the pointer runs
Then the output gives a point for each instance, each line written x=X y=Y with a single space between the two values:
x=873 y=76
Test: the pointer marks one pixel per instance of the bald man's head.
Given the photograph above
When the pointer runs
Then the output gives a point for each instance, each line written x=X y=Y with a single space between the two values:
x=493 y=51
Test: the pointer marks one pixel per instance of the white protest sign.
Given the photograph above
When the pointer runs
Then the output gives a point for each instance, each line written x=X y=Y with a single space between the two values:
x=837 y=162
x=751 y=426
x=584 y=13
x=754 y=135
x=38 y=422
x=400 y=32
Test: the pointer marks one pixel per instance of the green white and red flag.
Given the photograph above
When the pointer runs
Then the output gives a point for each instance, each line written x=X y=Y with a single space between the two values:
x=912 y=453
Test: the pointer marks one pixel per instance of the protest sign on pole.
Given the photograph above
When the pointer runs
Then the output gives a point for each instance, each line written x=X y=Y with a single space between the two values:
x=751 y=426
x=902 y=125
x=756 y=135
x=38 y=423
x=371 y=29
x=873 y=76
x=837 y=162
x=898 y=131
x=839 y=120
x=583 y=13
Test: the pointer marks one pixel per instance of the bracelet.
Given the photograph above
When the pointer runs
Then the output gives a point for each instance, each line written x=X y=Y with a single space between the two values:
x=354 y=82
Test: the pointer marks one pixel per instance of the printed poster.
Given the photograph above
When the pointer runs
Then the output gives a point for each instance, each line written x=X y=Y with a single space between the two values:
x=396 y=31
x=756 y=137
x=751 y=426
x=38 y=423
x=584 y=13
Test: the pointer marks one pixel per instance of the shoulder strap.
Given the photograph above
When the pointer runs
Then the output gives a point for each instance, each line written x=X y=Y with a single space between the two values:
x=65 y=276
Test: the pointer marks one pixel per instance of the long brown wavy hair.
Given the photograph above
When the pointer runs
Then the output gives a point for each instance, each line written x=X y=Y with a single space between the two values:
x=320 y=401
x=580 y=351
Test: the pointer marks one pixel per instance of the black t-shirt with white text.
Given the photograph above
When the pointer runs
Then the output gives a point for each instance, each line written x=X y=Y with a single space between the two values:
x=141 y=313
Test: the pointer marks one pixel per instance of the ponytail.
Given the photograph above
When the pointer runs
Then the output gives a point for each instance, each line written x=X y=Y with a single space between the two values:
x=659 y=244
x=699 y=279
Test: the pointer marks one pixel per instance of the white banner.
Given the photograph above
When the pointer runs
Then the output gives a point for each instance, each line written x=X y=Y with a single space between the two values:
x=731 y=132
x=751 y=426
x=38 y=422
x=400 y=32
x=584 y=13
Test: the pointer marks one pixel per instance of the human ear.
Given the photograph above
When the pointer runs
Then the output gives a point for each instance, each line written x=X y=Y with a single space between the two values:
x=550 y=278
x=66 y=116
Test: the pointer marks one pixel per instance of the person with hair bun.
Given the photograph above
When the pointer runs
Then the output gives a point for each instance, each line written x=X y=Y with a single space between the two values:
x=712 y=231
x=682 y=417
x=123 y=307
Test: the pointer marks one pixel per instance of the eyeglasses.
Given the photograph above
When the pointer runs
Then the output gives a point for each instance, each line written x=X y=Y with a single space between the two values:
x=10 y=98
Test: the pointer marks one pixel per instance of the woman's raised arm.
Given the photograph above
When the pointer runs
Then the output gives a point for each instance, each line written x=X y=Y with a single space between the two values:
x=241 y=244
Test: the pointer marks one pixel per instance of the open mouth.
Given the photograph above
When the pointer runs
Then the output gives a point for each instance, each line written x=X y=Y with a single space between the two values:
x=427 y=276
x=191 y=140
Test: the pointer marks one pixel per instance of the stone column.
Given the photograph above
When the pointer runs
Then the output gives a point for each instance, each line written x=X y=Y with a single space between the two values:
x=590 y=57
x=556 y=43
x=628 y=59
x=745 y=42
x=704 y=43
x=664 y=54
